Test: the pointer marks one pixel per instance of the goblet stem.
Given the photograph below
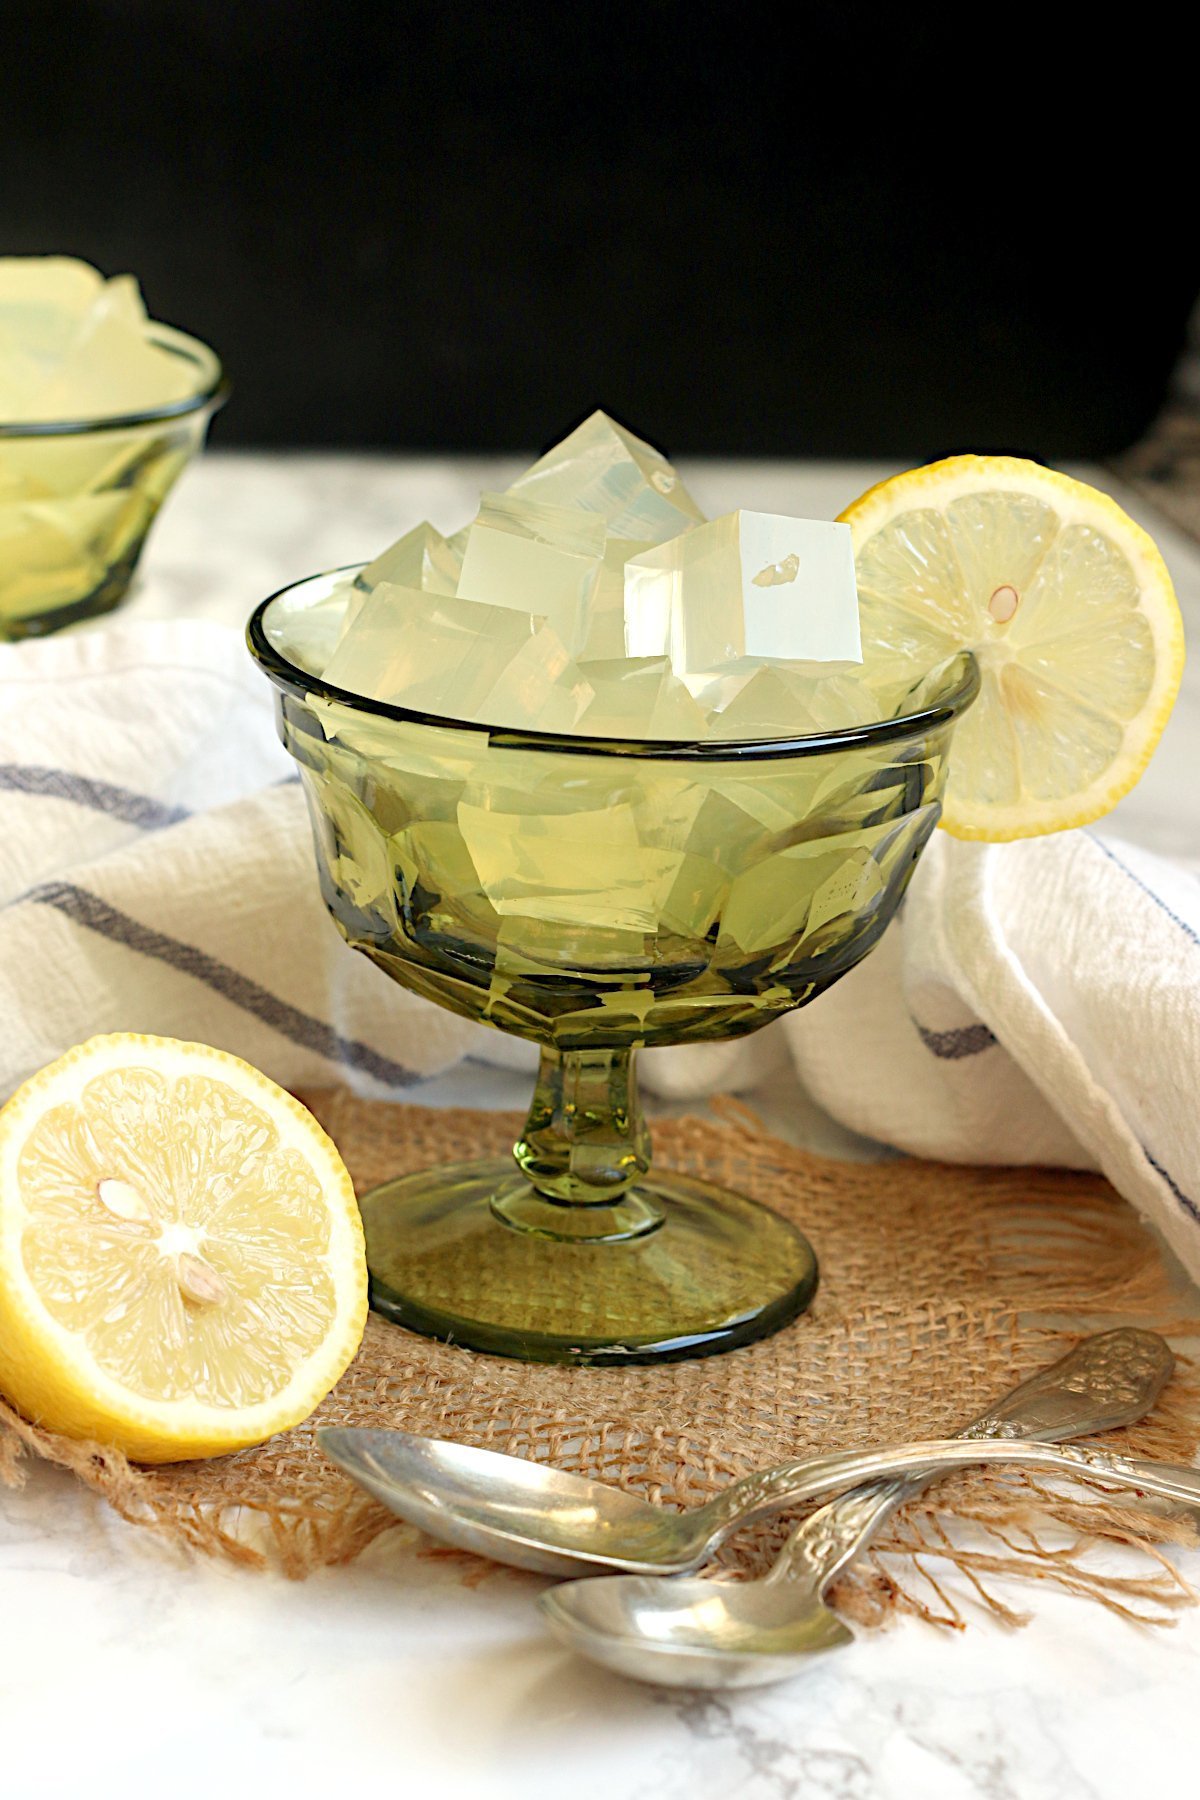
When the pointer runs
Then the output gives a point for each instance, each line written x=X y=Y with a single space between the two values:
x=585 y=1139
x=584 y=1145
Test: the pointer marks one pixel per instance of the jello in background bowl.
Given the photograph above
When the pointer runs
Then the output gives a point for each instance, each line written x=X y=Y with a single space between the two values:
x=78 y=495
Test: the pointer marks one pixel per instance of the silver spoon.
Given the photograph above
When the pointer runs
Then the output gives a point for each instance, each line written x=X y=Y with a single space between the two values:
x=538 y=1517
x=705 y=1633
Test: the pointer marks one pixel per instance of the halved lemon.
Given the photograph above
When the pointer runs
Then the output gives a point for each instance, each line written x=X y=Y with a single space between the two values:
x=1069 y=609
x=182 y=1268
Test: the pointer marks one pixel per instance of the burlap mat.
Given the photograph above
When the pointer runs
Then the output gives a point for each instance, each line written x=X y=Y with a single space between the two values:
x=941 y=1287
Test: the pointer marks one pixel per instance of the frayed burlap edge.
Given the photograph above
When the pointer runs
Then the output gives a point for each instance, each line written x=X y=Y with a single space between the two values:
x=942 y=1286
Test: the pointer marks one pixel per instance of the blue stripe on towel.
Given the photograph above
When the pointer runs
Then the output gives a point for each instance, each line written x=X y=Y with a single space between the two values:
x=98 y=796
x=953 y=1046
x=126 y=804
x=1185 y=1200
x=1189 y=931
x=97 y=915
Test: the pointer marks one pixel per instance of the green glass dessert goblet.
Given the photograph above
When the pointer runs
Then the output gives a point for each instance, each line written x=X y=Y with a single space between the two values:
x=596 y=896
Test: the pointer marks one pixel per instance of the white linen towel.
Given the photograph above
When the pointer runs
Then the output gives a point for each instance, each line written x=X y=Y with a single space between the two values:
x=1035 y=1002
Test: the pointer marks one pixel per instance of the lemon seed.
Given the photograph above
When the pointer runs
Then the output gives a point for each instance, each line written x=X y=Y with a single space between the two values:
x=120 y=1199
x=199 y=1281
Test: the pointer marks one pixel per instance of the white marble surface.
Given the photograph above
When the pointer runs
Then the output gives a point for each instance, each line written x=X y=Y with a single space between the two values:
x=124 y=1667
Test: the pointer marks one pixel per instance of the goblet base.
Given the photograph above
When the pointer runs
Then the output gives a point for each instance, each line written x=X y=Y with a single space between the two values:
x=673 y=1268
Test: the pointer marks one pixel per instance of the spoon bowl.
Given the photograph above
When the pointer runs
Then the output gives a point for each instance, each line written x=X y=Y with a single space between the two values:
x=523 y=1513
x=692 y=1631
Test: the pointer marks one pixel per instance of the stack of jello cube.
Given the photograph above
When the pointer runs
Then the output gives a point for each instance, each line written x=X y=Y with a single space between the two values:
x=593 y=598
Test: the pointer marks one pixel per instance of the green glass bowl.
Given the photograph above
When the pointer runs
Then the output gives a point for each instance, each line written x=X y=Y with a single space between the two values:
x=77 y=498
x=595 y=896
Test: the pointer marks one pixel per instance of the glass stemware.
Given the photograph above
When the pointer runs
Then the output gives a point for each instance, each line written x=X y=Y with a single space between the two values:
x=596 y=896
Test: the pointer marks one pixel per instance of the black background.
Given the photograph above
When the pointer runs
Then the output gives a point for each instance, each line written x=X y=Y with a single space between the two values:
x=837 y=230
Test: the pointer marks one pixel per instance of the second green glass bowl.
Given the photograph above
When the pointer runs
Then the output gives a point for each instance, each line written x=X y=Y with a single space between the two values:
x=596 y=896
x=77 y=499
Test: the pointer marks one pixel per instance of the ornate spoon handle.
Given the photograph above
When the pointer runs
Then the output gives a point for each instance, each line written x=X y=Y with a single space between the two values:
x=798 y=1481
x=1108 y=1380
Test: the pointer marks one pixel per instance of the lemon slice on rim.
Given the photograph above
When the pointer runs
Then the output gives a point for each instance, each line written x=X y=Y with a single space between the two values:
x=181 y=1256
x=1069 y=609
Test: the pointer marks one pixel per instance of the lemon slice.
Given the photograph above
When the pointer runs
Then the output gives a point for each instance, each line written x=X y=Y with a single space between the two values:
x=1069 y=609
x=181 y=1256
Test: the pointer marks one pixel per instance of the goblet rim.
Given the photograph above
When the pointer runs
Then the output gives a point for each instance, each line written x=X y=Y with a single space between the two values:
x=210 y=395
x=963 y=688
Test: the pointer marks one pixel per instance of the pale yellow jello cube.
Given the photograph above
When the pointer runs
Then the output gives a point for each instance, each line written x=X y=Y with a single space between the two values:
x=603 y=468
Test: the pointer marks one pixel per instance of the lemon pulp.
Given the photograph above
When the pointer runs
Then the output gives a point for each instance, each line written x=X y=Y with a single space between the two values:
x=181 y=1260
x=1069 y=609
